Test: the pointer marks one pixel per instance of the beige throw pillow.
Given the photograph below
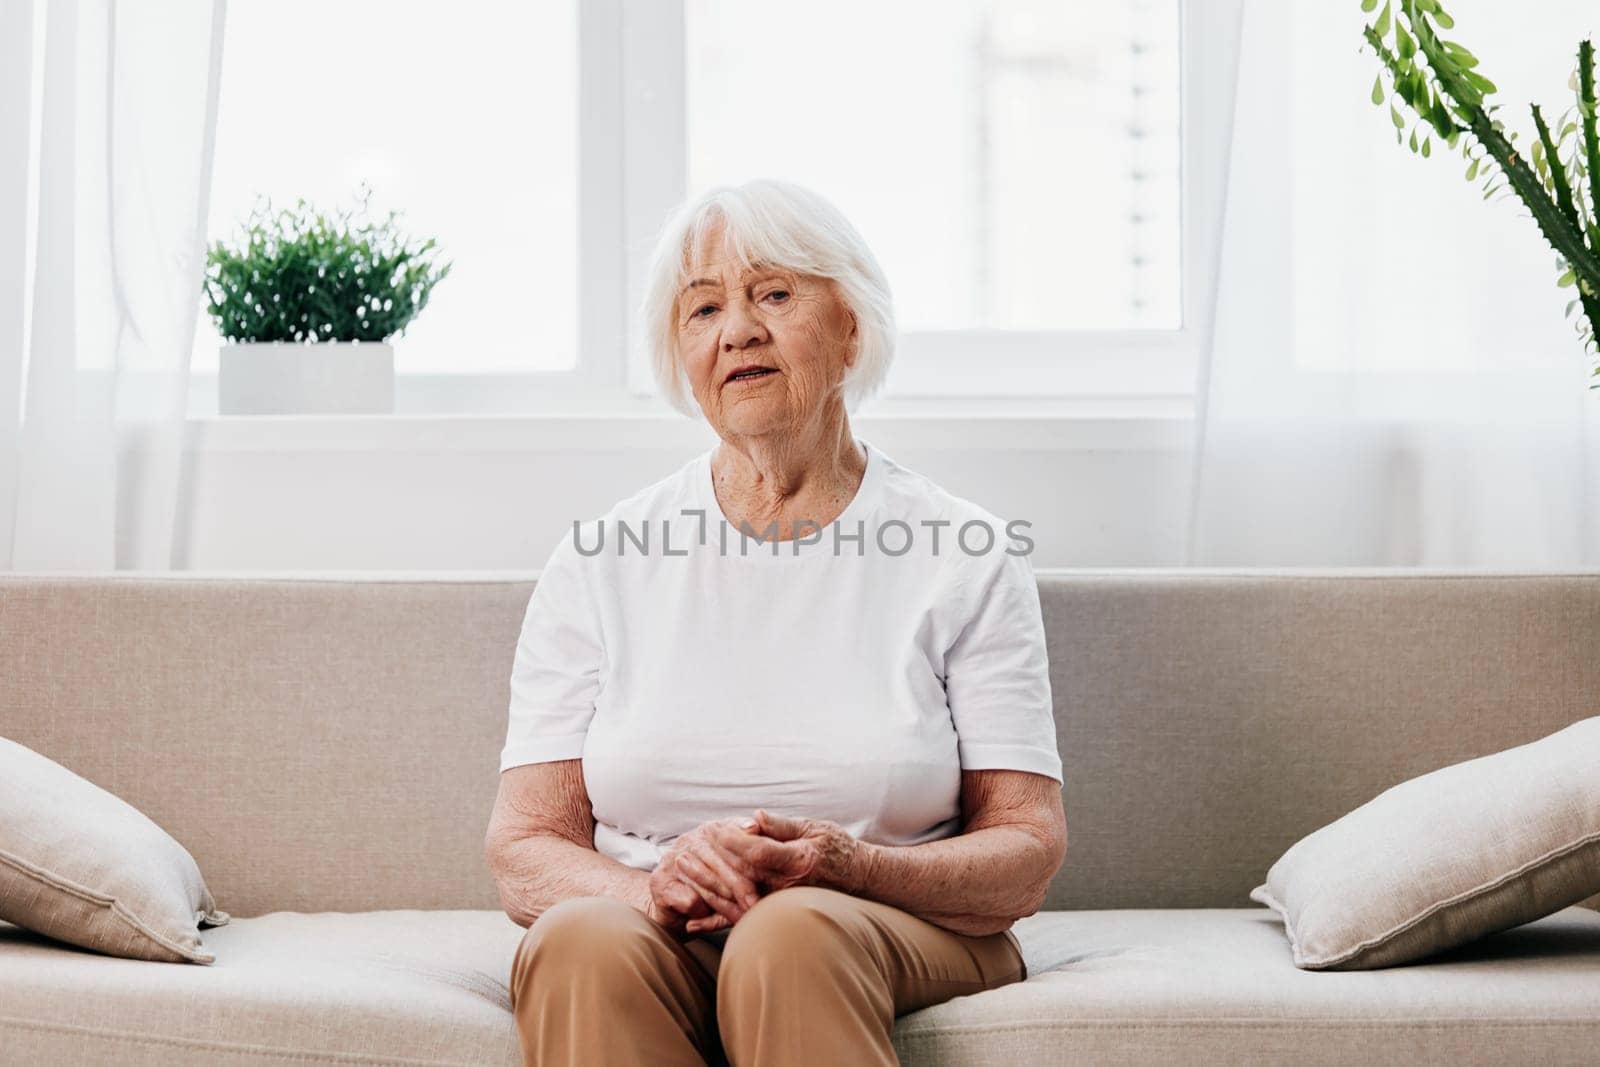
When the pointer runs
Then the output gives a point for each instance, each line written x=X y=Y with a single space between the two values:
x=79 y=865
x=1446 y=858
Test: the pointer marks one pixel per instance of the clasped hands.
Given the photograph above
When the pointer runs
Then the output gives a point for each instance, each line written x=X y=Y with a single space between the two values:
x=709 y=877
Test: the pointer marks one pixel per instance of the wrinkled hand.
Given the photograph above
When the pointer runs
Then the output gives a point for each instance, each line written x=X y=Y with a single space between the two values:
x=788 y=851
x=673 y=902
x=702 y=883
x=715 y=873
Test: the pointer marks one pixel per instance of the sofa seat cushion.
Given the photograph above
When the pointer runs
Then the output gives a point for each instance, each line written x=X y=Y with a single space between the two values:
x=1192 y=986
x=389 y=987
x=1218 y=986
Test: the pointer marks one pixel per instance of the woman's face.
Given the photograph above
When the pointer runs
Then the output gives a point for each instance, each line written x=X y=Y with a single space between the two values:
x=795 y=326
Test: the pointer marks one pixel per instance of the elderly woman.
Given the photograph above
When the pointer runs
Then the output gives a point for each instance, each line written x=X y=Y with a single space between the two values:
x=781 y=763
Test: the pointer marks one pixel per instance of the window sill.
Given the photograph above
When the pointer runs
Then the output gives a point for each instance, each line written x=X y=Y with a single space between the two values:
x=1144 y=424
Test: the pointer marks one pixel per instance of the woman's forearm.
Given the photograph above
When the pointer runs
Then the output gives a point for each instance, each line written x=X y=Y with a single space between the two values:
x=976 y=883
x=982 y=880
x=540 y=870
x=540 y=844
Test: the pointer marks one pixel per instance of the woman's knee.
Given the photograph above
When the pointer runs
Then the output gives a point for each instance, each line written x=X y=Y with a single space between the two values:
x=598 y=981
x=797 y=960
x=584 y=919
x=791 y=924
x=579 y=933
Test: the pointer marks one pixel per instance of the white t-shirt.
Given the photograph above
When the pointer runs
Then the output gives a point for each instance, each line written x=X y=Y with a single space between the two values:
x=701 y=673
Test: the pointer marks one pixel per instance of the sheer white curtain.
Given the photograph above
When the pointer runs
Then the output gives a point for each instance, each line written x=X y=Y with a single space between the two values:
x=1391 y=380
x=107 y=121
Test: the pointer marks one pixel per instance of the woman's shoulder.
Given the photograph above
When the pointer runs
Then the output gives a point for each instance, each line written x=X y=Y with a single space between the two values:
x=916 y=499
x=980 y=574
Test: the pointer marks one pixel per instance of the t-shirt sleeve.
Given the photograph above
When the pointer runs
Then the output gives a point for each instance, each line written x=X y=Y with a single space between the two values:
x=556 y=672
x=997 y=675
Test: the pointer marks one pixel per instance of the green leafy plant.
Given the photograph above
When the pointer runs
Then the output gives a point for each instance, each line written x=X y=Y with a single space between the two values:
x=300 y=274
x=1435 y=83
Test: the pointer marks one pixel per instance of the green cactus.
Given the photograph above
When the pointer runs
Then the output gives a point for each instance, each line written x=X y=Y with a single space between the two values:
x=1558 y=181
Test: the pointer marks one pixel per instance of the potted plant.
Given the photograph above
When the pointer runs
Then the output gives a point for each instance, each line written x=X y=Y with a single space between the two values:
x=1557 y=179
x=309 y=303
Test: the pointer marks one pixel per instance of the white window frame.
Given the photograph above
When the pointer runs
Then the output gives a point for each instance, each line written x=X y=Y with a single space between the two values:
x=631 y=81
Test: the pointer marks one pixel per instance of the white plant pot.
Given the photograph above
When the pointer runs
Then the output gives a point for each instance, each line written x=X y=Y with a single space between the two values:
x=289 y=378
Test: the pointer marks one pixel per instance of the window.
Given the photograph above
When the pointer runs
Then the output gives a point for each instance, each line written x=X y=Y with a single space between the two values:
x=463 y=116
x=1040 y=180
x=1014 y=163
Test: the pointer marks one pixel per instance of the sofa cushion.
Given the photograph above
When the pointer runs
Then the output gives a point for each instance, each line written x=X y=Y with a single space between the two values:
x=1217 y=986
x=1196 y=986
x=83 y=866
x=1446 y=857
x=390 y=987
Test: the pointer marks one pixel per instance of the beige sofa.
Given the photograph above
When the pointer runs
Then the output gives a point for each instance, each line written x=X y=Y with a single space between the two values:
x=325 y=746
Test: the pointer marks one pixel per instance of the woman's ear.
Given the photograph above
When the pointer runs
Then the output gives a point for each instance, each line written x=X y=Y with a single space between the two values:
x=854 y=339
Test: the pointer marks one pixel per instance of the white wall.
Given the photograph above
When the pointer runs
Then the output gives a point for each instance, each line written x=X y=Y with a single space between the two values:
x=493 y=493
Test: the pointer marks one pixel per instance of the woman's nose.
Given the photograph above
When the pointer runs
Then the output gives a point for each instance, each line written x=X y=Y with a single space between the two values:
x=741 y=327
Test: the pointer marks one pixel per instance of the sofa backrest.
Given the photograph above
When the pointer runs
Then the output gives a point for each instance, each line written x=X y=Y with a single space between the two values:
x=331 y=742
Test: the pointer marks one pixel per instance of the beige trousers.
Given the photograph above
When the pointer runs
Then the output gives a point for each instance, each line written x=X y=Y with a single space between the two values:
x=807 y=976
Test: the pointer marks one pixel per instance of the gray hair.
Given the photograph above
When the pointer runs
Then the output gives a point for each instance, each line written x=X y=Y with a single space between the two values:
x=787 y=226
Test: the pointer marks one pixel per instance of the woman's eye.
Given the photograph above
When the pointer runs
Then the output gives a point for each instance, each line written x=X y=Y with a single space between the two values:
x=697 y=313
x=779 y=295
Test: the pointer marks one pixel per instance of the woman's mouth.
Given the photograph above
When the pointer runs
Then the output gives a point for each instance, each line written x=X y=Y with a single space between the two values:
x=750 y=374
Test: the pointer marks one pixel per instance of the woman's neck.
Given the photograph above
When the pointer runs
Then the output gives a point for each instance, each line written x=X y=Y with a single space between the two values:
x=789 y=479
